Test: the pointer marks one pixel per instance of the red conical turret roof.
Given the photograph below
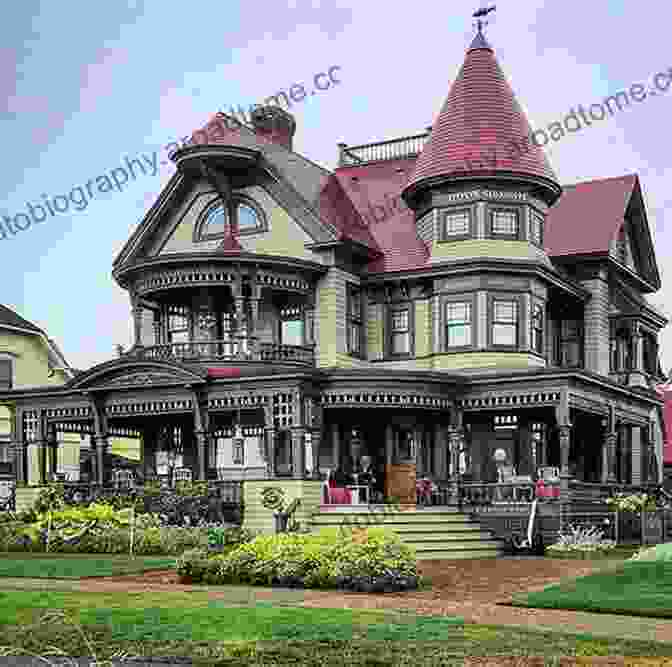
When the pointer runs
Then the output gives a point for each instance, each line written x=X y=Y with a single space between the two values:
x=479 y=127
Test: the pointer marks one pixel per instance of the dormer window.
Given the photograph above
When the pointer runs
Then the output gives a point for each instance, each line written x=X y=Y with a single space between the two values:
x=240 y=214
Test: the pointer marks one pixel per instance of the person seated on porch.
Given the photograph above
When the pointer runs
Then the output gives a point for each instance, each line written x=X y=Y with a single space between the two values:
x=366 y=476
x=342 y=478
x=338 y=493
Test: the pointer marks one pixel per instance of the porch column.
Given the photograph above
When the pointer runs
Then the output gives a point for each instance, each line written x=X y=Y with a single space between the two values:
x=240 y=323
x=565 y=431
x=389 y=445
x=99 y=438
x=335 y=445
x=201 y=433
x=440 y=452
x=298 y=452
x=102 y=445
x=316 y=426
x=52 y=448
x=136 y=311
x=418 y=433
x=269 y=438
x=636 y=454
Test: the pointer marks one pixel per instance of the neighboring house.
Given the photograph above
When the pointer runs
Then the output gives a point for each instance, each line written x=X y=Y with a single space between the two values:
x=275 y=331
x=29 y=359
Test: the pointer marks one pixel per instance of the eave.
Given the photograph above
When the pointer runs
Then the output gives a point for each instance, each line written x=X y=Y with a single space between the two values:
x=481 y=266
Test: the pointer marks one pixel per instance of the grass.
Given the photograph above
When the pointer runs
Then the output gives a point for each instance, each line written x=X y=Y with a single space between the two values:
x=77 y=566
x=218 y=632
x=634 y=588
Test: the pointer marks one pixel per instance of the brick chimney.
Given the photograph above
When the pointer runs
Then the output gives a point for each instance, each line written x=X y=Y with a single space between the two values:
x=274 y=124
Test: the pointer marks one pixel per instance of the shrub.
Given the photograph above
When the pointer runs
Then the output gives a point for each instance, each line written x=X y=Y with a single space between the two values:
x=661 y=552
x=365 y=560
x=636 y=502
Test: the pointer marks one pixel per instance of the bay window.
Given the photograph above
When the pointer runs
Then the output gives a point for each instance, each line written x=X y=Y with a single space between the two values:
x=354 y=321
x=537 y=329
x=458 y=324
x=456 y=224
x=400 y=331
x=504 y=223
x=504 y=323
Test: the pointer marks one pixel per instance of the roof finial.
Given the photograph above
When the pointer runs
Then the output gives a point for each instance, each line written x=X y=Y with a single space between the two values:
x=479 y=14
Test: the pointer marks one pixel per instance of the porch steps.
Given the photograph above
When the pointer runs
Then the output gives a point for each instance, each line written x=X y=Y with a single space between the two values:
x=435 y=534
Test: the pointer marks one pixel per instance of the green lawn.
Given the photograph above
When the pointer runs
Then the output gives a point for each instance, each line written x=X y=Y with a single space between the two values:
x=77 y=566
x=218 y=632
x=633 y=588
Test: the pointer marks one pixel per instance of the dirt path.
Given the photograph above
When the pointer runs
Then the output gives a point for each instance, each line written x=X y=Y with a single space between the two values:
x=471 y=589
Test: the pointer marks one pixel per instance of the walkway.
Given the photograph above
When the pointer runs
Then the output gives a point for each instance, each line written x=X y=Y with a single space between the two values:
x=471 y=589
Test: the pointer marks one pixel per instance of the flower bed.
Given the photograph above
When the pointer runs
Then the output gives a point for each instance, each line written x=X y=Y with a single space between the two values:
x=367 y=560
x=581 y=543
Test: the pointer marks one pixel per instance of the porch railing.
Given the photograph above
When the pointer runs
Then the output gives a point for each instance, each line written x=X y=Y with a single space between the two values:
x=241 y=349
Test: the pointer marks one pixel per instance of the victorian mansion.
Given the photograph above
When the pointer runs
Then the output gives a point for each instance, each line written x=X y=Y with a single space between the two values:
x=278 y=334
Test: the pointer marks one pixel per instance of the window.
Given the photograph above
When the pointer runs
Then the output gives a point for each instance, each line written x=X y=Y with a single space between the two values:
x=537 y=333
x=569 y=350
x=216 y=223
x=504 y=323
x=456 y=224
x=504 y=223
x=241 y=214
x=291 y=326
x=354 y=321
x=5 y=373
x=400 y=332
x=247 y=218
x=622 y=351
x=178 y=324
x=458 y=324
x=537 y=228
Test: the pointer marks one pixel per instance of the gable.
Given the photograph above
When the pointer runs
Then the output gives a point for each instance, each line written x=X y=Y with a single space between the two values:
x=124 y=373
x=282 y=234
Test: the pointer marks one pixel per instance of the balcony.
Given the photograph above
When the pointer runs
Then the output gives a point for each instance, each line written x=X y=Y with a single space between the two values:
x=241 y=349
x=393 y=149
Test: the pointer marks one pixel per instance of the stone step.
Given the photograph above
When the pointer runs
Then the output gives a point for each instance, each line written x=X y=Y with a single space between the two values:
x=442 y=554
x=417 y=538
x=403 y=518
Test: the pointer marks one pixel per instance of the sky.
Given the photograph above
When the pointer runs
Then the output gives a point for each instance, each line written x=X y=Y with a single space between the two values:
x=85 y=86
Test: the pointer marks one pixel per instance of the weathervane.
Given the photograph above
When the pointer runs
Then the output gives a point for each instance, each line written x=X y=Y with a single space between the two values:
x=482 y=12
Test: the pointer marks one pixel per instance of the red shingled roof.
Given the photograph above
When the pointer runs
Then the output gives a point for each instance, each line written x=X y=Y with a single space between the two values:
x=376 y=195
x=588 y=216
x=476 y=127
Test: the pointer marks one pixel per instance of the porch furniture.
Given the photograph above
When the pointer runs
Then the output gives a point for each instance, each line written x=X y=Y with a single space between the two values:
x=340 y=496
x=183 y=475
x=505 y=475
x=549 y=476
x=360 y=494
x=122 y=479
x=525 y=490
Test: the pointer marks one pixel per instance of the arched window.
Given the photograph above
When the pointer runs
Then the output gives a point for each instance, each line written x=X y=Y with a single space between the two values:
x=240 y=213
x=215 y=223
